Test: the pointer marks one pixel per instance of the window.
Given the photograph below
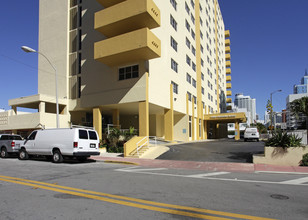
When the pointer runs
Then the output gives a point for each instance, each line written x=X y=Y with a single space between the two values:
x=195 y=99
x=192 y=18
x=32 y=135
x=80 y=16
x=187 y=8
x=189 y=96
x=190 y=126
x=83 y=134
x=202 y=62
x=194 y=83
x=174 y=65
x=201 y=49
x=187 y=43
x=175 y=87
x=193 y=66
x=201 y=22
x=193 y=35
x=174 y=44
x=192 y=4
x=173 y=22
x=201 y=35
x=129 y=72
x=188 y=60
x=202 y=90
x=209 y=96
x=173 y=3
x=79 y=87
x=202 y=76
x=188 y=78
x=92 y=135
x=193 y=50
x=187 y=25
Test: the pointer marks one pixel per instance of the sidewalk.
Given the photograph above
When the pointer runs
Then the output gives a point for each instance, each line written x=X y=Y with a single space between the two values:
x=193 y=165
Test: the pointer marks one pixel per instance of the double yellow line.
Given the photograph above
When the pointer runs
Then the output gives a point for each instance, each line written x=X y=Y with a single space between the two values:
x=132 y=202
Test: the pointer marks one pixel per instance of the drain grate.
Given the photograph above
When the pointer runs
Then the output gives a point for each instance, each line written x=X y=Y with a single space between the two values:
x=280 y=197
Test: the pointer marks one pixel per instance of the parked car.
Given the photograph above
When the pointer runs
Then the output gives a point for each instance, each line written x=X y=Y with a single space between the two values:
x=251 y=134
x=10 y=144
x=79 y=143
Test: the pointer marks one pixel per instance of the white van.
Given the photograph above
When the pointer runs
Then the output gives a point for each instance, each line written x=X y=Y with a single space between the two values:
x=80 y=143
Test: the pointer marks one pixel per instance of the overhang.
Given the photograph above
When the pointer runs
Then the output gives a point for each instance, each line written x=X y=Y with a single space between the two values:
x=226 y=117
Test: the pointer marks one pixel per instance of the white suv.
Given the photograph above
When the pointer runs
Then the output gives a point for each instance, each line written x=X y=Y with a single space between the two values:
x=251 y=134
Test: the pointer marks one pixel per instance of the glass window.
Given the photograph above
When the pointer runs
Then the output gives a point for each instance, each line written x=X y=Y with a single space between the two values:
x=194 y=83
x=173 y=22
x=174 y=44
x=92 y=135
x=32 y=135
x=174 y=65
x=187 y=43
x=173 y=3
x=188 y=60
x=83 y=134
x=129 y=72
x=188 y=78
x=175 y=87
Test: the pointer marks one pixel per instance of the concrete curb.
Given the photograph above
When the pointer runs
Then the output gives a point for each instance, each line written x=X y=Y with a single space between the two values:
x=206 y=166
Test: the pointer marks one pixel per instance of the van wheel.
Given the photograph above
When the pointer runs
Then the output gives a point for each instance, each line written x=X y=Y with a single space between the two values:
x=23 y=155
x=82 y=159
x=4 y=153
x=57 y=157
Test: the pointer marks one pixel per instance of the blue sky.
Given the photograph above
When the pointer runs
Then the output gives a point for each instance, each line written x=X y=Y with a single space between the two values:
x=269 y=48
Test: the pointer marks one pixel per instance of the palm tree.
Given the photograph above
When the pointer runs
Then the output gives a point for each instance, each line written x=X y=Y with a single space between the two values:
x=300 y=106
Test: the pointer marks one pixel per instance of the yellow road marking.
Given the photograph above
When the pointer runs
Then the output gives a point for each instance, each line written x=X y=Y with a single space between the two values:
x=81 y=192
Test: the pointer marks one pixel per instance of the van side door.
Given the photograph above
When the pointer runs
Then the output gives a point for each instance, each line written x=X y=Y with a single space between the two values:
x=30 y=143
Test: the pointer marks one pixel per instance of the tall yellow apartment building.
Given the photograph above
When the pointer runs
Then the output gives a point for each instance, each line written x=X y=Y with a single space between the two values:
x=161 y=66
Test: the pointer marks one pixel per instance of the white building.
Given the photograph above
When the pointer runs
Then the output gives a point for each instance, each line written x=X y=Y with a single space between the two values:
x=248 y=103
x=292 y=121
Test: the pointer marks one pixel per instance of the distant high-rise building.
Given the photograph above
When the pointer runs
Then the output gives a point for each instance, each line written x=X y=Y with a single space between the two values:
x=299 y=91
x=242 y=101
x=303 y=87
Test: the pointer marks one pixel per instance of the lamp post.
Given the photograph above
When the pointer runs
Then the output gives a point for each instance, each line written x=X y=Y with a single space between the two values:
x=272 y=107
x=30 y=50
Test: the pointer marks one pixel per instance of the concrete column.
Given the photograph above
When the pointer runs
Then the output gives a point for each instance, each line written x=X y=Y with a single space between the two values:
x=97 y=121
x=205 y=130
x=193 y=119
x=169 y=119
x=14 y=108
x=237 y=131
x=42 y=107
x=116 y=117
x=143 y=118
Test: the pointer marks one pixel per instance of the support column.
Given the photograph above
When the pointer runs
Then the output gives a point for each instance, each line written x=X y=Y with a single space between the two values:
x=169 y=119
x=237 y=131
x=116 y=118
x=14 y=110
x=193 y=119
x=205 y=130
x=97 y=121
x=144 y=121
x=42 y=107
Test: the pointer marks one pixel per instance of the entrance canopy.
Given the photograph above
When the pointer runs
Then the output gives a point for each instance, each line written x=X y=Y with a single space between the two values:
x=239 y=117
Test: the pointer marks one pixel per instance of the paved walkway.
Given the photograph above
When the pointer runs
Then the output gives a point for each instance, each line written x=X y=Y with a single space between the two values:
x=192 y=165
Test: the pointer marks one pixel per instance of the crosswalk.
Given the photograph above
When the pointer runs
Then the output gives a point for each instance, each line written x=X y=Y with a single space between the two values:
x=266 y=178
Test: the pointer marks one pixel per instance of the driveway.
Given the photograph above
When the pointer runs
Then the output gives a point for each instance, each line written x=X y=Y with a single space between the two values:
x=215 y=151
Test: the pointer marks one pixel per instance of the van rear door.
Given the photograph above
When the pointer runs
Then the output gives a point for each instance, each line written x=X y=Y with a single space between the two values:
x=88 y=140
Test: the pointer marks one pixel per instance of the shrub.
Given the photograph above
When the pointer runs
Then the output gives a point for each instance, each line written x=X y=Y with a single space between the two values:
x=282 y=139
x=304 y=162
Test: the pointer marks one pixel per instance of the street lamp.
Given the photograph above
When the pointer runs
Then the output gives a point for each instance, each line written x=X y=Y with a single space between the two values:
x=30 y=50
x=279 y=90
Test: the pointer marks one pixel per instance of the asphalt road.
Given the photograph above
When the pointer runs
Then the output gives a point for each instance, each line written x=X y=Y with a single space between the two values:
x=39 y=189
x=215 y=151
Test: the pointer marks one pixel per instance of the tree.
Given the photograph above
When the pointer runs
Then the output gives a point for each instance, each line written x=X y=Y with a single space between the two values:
x=269 y=108
x=300 y=106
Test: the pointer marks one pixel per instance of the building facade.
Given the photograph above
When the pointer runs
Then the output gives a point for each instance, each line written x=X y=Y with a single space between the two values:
x=242 y=101
x=159 y=66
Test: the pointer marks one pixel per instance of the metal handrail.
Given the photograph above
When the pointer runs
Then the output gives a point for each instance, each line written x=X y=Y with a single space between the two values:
x=139 y=147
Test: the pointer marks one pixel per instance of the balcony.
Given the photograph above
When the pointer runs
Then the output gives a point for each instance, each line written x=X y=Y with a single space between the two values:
x=229 y=86
x=228 y=78
x=227 y=50
x=229 y=100
x=228 y=71
x=229 y=93
x=126 y=17
x=108 y=3
x=126 y=48
x=227 y=33
x=229 y=107
x=227 y=42
x=228 y=63
x=228 y=56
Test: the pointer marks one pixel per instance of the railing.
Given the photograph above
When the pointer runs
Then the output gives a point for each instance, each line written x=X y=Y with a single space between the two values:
x=154 y=138
x=145 y=143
